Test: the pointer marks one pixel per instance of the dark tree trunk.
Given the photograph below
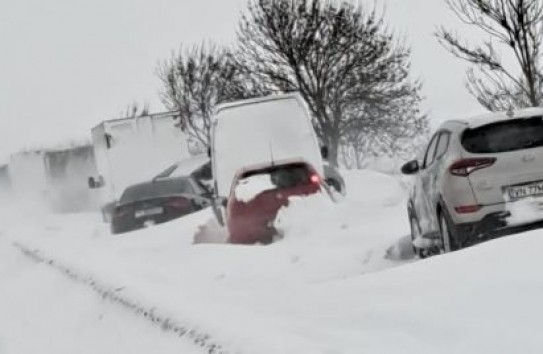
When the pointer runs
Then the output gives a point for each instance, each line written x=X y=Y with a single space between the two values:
x=333 y=151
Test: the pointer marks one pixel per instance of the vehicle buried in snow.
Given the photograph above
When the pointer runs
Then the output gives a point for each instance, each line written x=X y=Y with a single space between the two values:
x=179 y=190
x=259 y=192
x=263 y=151
x=156 y=202
x=479 y=178
x=54 y=177
x=131 y=150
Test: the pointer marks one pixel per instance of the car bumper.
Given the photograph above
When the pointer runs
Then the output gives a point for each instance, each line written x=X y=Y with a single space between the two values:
x=492 y=226
x=251 y=231
x=123 y=225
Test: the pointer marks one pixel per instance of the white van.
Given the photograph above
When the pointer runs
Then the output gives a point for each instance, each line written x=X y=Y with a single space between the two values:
x=261 y=131
x=258 y=131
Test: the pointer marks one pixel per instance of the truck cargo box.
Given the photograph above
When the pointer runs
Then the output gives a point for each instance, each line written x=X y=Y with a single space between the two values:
x=133 y=150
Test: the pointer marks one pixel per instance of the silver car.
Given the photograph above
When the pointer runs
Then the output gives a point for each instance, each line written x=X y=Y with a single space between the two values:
x=473 y=174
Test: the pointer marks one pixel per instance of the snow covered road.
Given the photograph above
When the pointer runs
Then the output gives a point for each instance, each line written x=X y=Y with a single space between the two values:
x=328 y=287
x=219 y=289
x=41 y=311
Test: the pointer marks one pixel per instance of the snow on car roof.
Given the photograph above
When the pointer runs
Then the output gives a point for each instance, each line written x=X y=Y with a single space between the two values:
x=492 y=117
x=128 y=119
x=252 y=101
x=185 y=167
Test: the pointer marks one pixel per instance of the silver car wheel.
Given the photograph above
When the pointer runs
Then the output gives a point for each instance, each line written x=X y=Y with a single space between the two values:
x=445 y=234
x=416 y=235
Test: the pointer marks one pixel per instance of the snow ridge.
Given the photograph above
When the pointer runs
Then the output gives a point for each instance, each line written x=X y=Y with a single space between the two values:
x=200 y=339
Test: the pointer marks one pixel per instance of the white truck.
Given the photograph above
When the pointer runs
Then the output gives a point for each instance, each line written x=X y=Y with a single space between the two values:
x=134 y=150
x=54 y=178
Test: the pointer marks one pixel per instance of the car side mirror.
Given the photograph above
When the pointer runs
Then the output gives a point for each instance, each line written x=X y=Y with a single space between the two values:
x=109 y=140
x=95 y=183
x=411 y=168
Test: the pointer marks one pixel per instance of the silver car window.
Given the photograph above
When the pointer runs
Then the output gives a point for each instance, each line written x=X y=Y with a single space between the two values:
x=442 y=145
x=157 y=189
x=430 y=152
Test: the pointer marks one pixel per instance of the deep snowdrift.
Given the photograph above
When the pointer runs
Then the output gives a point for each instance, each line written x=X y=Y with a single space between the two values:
x=329 y=286
x=42 y=312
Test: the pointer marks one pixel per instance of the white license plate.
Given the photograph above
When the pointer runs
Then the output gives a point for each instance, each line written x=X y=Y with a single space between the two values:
x=148 y=212
x=524 y=191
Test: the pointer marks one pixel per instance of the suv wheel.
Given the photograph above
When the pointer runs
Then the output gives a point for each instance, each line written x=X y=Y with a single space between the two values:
x=448 y=233
x=416 y=235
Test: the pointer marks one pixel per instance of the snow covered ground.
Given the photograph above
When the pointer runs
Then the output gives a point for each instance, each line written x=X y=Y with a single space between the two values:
x=43 y=312
x=335 y=284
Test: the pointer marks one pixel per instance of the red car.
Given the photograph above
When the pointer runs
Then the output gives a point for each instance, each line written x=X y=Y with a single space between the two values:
x=250 y=219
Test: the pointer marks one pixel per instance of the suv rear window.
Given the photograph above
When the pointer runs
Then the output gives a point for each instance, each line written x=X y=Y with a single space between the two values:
x=511 y=135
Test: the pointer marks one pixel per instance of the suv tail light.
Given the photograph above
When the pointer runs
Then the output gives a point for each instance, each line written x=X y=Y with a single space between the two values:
x=121 y=210
x=465 y=167
x=467 y=209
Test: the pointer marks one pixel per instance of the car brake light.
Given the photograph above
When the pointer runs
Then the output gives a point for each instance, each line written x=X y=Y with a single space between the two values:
x=122 y=210
x=315 y=179
x=465 y=167
x=178 y=202
x=467 y=209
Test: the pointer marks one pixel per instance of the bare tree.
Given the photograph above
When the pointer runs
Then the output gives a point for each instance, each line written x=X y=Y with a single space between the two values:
x=512 y=26
x=342 y=61
x=195 y=81
x=391 y=131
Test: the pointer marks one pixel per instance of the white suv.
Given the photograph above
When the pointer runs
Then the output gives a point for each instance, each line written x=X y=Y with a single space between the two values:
x=472 y=175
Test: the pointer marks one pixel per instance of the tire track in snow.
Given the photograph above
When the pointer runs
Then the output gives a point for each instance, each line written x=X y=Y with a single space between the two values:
x=200 y=339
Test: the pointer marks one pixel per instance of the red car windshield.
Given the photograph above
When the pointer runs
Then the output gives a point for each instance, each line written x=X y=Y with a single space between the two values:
x=285 y=176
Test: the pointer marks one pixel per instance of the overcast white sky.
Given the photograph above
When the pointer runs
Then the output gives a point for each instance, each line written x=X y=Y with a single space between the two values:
x=66 y=65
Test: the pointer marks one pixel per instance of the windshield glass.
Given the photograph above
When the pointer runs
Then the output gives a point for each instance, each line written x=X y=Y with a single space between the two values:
x=505 y=136
x=157 y=189
x=278 y=177
x=283 y=176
